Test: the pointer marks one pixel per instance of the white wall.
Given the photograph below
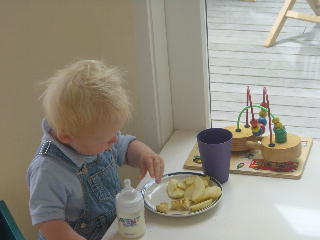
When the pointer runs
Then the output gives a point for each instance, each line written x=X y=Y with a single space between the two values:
x=36 y=38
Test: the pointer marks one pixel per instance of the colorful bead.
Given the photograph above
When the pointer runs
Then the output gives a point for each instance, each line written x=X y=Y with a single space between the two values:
x=263 y=113
x=278 y=125
x=264 y=104
x=263 y=128
x=259 y=133
x=262 y=120
x=280 y=135
x=276 y=120
x=254 y=123
x=255 y=129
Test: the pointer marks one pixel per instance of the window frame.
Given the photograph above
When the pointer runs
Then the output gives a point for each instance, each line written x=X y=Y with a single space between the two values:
x=172 y=63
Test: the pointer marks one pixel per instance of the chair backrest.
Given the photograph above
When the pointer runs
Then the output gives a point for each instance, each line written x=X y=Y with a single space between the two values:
x=9 y=230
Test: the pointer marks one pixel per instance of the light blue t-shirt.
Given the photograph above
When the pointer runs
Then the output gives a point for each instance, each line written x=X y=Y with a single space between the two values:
x=56 y=193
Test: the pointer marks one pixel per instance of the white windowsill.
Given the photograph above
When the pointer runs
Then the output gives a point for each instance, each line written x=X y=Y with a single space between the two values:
x=177 y=149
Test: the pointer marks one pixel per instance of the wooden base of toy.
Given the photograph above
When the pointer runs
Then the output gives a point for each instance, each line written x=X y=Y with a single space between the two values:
x=278 y=152
x=245 y=158
x=239 y=139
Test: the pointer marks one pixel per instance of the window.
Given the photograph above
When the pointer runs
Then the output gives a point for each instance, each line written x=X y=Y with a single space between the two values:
x=290 y=69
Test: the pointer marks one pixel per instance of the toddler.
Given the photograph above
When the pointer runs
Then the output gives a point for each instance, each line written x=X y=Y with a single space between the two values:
x=73 y=178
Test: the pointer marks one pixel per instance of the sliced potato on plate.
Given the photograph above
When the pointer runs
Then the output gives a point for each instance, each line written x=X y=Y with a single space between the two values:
x=199 y=188
x=210 y=192
x=173 y=190
x=201 y=205
x=188 y=192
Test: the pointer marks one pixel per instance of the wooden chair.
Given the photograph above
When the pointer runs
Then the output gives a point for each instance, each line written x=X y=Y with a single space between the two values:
x=9 y=230
x=286 y=12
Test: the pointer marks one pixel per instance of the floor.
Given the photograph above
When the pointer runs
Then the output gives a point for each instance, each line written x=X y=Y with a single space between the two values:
x=290 y=69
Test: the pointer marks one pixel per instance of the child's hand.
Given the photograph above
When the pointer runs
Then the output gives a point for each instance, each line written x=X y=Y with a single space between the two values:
x=140 y=155
x=152 y=163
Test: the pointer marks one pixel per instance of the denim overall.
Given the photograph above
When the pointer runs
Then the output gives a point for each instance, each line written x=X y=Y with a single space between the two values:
x=100 y=184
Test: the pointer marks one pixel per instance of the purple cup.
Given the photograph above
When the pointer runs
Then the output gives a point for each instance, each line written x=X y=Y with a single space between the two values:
x=215 y=152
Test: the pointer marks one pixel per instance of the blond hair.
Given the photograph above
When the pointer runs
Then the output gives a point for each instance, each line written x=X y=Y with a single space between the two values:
x=82 y=93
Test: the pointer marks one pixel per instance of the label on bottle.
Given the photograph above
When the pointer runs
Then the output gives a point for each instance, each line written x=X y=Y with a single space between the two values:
x=131 y=225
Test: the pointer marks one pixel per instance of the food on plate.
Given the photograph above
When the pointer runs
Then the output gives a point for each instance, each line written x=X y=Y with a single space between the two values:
x=206 y=180
x=192 y=193
x=198 y=189
x=188 y=192
x=212 y=192
x=163 y=207
x=180 y=204
x=189 y=180
x=201 y=205
x=173 y=190
x=182 y=184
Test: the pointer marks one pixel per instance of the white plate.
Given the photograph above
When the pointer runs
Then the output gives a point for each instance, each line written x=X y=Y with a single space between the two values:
x=154 y=194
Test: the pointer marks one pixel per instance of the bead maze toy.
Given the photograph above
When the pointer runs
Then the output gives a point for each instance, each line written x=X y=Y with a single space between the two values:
x=279 y=146
x=279 y=154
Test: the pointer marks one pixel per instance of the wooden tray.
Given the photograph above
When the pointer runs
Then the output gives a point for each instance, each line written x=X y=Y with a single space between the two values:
x=240 y=162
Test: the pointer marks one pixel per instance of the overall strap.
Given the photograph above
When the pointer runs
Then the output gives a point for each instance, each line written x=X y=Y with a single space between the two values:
x=47 y=148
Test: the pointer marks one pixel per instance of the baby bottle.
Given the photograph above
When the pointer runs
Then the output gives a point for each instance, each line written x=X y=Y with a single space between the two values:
x=130 y=211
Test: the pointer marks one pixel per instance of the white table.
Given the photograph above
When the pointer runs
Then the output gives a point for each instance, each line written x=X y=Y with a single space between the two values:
x=252 y=207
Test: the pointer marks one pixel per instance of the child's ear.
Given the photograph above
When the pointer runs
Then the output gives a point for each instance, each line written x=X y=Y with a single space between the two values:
x=63 y=137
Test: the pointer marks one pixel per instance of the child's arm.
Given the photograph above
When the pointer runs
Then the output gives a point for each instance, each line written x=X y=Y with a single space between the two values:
x=58 y=229
x=140 y=155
